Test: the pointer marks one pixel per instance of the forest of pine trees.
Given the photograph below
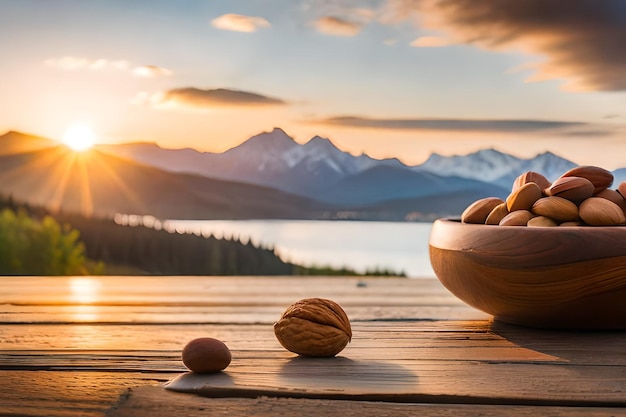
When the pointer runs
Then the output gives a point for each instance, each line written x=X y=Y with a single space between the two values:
x=142 y=250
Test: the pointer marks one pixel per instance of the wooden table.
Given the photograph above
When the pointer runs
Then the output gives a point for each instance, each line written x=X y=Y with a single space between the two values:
x=94 y=346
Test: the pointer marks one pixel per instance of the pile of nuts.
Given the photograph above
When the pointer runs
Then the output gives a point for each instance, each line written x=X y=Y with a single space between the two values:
x=579 y=197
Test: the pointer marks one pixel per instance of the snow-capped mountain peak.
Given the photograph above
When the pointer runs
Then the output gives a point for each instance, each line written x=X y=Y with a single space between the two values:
x=494 y=166
x=276 y=141
x=318 y=142
x=485 y=164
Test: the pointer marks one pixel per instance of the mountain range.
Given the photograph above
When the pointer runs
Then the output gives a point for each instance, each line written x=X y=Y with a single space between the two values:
x=102 y=184
x=268 y=176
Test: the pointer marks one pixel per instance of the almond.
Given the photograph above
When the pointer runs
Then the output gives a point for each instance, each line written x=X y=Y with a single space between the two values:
x=497 y=214
x=524 y=197
x=575 y=189
x=478 y=211
x=597 y=211
x=599 y=177
x=622 y=189
x=613 y=196
x=556 y=208
x=517 y=218
x=541 y=221
x=571 y=224
x=531 y=176
x=314 y=327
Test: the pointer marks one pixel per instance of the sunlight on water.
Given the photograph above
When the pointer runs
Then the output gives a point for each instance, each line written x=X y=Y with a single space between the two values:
x=358 y=245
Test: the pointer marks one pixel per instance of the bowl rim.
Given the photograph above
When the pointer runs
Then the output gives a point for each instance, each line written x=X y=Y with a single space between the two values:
x=537 y=229
x=585 y=242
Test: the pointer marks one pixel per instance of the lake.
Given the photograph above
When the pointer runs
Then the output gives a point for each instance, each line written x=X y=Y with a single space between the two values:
x=356 y=245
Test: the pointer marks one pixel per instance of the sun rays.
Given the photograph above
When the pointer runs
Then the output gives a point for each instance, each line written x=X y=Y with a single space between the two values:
x=75 y=182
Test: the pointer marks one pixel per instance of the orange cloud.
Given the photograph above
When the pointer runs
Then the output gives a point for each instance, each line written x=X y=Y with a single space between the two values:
x=150 y=71
x=457 y=125
x=430 y=42
x=199 y=98
x=582 y=41
x=239 y=23
x=72 y=63
x=336 y=26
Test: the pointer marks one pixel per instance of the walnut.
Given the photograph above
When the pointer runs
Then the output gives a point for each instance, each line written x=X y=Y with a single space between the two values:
x=314 y=327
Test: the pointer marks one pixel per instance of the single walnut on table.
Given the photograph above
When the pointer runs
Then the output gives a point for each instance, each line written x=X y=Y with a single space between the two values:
x=314 y=327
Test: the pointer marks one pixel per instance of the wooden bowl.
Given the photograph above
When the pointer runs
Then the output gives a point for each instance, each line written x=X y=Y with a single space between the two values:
x=549 y=277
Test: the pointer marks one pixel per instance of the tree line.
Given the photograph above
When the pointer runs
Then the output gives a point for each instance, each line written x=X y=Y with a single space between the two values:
x=36 y=241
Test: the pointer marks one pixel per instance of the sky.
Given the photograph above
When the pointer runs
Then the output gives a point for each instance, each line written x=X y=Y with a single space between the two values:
x=390 y=78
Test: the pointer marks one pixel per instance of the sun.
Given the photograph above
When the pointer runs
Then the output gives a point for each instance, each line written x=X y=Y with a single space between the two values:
x=79 y=137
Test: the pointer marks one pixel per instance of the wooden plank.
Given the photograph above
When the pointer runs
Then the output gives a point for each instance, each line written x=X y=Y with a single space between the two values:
x=12 y=314
x=207 y=291
x=218 y=299
x=153 y=402
x=66 y=394
x=395 y=361
x=410 y=340
x=415 y=381
x=413 y=342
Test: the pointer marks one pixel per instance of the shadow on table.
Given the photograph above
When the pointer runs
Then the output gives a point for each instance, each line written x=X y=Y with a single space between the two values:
x=341 y=373
x=337 y=377
x=580 y=347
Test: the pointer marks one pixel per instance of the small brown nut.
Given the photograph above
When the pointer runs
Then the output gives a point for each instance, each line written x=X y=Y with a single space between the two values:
x=478 y=211
x=571 y=224
x=524 y=197
x=556 y=208
x=314 y=327
x=497 y=214
x=599 y=177
x=531 y=176
x=597 y=211
x=517 y=218
x=575 y=189
x=613 y=196
x=206 y=355
x=541 y=221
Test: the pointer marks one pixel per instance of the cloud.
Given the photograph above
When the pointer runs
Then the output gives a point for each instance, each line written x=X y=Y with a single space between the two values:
x=72 y=63
x=198 y=98
x=580 y=41
x=240 y=23
x=590 y=133
x=466 y=125
x=150 y=71
x=360 y=14
x=430 y=42
x=331 y=25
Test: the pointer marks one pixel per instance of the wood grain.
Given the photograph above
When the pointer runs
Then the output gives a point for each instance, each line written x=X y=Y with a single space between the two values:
x=153 y=402
x=542 y=277
x=430 y=354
